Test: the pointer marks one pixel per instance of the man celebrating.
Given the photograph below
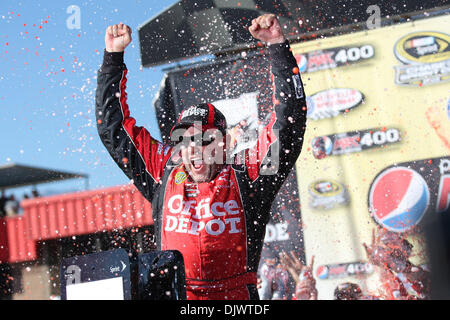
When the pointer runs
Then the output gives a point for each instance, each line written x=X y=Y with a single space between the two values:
x=211 y=207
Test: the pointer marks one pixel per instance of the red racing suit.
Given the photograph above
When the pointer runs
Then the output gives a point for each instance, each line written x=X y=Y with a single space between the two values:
x=218 y=226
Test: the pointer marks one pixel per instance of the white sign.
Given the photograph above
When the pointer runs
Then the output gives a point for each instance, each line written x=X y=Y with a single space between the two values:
x=108 y=289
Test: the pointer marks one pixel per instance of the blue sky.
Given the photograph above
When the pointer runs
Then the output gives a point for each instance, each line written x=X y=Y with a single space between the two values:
x=48 y=82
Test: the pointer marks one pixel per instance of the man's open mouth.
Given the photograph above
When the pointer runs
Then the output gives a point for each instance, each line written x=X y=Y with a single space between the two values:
x=197 y=163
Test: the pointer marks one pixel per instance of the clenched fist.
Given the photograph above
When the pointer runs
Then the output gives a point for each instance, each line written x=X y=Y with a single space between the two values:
x=117 y=37
x=267 y=28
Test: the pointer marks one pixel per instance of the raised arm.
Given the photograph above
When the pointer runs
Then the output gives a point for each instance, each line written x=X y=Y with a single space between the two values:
x=280 y=143
x=140 y=157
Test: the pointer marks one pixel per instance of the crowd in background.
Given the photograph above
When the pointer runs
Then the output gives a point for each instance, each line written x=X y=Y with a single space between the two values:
x=10 y=206
x=389 y=252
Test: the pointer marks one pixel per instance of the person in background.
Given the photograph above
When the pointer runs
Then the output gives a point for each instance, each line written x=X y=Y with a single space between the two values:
x=305 y=284
x=3 y=200
x=351 y=291
x=273 y=280
x=12 y=206
x=402 y=279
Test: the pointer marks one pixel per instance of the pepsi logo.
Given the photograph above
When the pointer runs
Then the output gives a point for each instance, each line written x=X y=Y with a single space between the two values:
x=322 y=272
x=302 y=62
x=322 y=147
x=398 y=199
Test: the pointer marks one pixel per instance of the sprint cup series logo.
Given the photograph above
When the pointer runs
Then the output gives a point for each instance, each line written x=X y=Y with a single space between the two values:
x=326 y=194
x=426 y=58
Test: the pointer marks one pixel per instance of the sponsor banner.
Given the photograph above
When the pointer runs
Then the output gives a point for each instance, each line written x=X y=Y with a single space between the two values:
x=401 y=195
x=426 y=58
x=354 y=141
x=327 y=194
x=334 y=57
x=331 y=102
x=418 y=116
x=343 y=270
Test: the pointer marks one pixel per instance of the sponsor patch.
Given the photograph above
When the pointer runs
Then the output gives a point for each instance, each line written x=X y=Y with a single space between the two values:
x=180 y=177
x=425 y=57
x=166 y=150
x=191 y=190
x=160 y=148
x=299 y=93
x=194 y=110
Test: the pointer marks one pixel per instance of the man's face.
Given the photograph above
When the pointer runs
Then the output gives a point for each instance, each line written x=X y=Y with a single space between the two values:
x=203 y=153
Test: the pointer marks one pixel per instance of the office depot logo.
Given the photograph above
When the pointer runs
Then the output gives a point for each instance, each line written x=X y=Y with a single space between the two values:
x=193 y=217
